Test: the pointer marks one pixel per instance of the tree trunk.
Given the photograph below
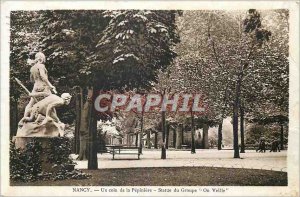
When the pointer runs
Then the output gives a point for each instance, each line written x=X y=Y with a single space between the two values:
x=84 y=127
x=155 y=140
x=78 y=107
x=14 y=118
x=148 y=140
x=281 y=137
x=163 y=148
x=193 y=149
x=220 y=135
x=242 y=130
x=235 y=132
x=141 y=133
x=182 y=135
x=167 y=135
x=130 y=139
x=93 y=142
x=205 y=137
x=179 y=136
x=83 y=147
x=140 y=137
x=101 y=142
x=127 y=139
x=136 y=140
x=174 y=137
x=236 y=105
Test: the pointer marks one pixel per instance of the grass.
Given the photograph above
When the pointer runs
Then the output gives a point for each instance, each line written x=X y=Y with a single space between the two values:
x=178 y=176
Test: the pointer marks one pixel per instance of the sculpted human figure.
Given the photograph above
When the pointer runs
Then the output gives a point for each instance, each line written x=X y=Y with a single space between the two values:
x=46 y=107
x=39 y=76
x=40 y=118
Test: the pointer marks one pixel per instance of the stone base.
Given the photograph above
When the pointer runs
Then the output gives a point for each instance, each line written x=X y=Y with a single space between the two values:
x=49 y=129
x=20 y=142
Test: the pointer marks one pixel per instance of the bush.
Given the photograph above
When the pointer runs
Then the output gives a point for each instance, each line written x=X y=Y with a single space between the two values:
x=59 y=152
x=26 y=165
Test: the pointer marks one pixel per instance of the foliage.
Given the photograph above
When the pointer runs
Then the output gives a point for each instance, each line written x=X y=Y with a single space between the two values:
x=136 y=43
x=59 y=151
x=58 y=154
x=95 y=47
x=267 y=78
x=209 y=60
x=270 y=132
x=23 y=41
x=202 y=65
x=67 y=38
x=25 y=165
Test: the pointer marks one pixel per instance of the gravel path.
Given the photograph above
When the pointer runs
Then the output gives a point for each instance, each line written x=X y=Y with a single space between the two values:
x=212 y=158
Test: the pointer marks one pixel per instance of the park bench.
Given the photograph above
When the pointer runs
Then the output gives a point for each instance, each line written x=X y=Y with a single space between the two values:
x=124 y=150
x=255 y=146
x=250 y=146
x=184 y=146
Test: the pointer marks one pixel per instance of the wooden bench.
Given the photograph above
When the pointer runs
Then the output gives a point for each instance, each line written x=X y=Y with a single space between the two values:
x=250 y=146
x=124 y=150
x=184 y=146
x=254 y=146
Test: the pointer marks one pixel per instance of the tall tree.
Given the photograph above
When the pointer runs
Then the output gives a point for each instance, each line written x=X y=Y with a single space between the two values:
x=202 y=67
x=112 y=50
x=223 y=59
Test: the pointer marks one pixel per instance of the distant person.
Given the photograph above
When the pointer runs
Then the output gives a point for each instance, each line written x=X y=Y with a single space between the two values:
x=275 y=146
x=262 y=145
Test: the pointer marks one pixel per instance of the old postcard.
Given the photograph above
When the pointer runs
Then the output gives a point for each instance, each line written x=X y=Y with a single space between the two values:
x=149 y=98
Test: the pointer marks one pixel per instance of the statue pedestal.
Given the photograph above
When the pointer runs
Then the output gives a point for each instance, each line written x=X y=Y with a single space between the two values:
x=50 y=129
x=21 y=142
x=45 y=142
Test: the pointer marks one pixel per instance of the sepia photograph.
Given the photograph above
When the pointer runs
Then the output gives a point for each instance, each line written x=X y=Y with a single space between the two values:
x=148 y=100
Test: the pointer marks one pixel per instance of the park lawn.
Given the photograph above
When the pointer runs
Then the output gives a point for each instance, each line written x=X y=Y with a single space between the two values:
x=175 y=176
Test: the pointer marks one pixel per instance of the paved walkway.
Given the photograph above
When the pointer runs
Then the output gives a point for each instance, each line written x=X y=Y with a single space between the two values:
x=213 y=158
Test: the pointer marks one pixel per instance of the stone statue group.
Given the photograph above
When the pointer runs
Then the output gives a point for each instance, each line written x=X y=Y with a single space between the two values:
x=40 y=117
